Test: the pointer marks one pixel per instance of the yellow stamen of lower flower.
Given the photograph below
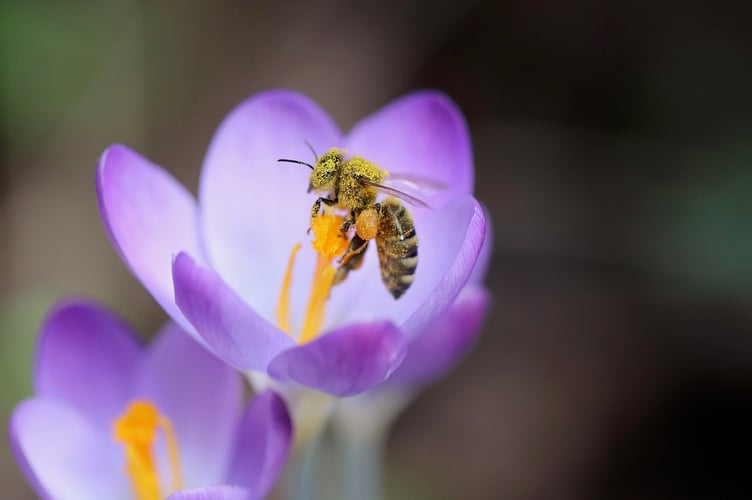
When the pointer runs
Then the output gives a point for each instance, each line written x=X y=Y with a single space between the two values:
x=329 y=243
x=137 y=429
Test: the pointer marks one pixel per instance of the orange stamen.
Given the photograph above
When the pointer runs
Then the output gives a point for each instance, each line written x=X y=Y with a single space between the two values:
x=328 y=240
x=137 y=430
x=329 y=243
x=322 y=284
x=283 y=305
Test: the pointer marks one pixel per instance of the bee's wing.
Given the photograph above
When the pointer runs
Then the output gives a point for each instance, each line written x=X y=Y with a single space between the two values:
x=415 y=184
x=395 y=192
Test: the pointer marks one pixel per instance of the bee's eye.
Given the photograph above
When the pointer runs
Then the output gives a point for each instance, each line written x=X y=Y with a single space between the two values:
x=324 y=175
x=329 y=169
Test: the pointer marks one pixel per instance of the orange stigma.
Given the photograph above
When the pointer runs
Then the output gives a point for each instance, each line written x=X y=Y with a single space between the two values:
x=329 y=243
x=137 y=429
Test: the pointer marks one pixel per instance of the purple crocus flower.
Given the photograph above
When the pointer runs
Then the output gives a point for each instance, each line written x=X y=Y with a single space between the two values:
x=217 y=266
x=113 y=420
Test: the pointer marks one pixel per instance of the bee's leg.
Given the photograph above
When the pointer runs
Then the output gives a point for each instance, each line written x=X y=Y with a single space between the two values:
x=317 y=205
x=357 y=247
x=348 y=222
x=351 y=260
x=316 y=208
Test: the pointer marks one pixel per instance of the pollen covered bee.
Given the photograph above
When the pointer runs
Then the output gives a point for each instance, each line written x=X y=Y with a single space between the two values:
x=352 y=184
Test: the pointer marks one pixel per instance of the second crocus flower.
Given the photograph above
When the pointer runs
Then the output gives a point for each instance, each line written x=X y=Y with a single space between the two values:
x=112 y=420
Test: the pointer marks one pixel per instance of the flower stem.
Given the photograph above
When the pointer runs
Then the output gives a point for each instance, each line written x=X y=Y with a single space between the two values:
x=360 y=427
x=299 y=482
x=308 y=458
x=360 y=455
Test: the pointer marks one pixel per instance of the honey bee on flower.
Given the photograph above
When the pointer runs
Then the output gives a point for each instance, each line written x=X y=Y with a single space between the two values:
x=351 y=184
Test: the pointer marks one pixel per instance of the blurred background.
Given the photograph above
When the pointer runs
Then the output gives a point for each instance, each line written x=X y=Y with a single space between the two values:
x=613 y=150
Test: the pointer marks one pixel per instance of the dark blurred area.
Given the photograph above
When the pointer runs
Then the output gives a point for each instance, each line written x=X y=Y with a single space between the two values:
x=613 y=151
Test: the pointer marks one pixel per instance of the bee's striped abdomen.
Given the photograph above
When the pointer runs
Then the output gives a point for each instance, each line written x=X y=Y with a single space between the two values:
x=397 y=245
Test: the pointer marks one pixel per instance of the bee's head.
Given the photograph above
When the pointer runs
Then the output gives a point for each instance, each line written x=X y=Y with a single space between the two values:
x=326 y=172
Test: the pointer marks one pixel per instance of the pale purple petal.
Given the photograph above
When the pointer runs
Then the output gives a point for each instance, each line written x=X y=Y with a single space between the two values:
x=63 y=456
x=86 y=357
x=346 y=361
x=233 y=331
x=254 y=209
x=216 y=492
x=262 y=444
x=149 y=217
x=422 y=134
x=451 y=268
x=480 y=270
x=200 y=395
x=445 y=341
x=450 y=240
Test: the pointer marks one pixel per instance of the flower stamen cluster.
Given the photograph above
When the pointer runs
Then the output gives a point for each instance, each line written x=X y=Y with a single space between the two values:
x=137 y=430
x=329 y=242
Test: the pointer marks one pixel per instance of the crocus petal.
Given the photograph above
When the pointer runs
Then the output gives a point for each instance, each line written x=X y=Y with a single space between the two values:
x=442 y=344
x=460 y=258
x=450 y=241
x=200 y=395
x=63 y=456
x=150 y=217
x=346 y=361
x=233 y=331
x=253 y=208
x=217 y=492
x=87 y=358
x=262 y=444
x=422 y=134
x=480 y=270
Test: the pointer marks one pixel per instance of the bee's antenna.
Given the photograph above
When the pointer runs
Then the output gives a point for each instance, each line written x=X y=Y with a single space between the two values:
x=296 y=161
x=315 y=155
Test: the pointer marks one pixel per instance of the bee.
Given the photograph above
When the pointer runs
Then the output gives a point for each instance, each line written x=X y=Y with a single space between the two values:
x=397 y=245
x=352 y=184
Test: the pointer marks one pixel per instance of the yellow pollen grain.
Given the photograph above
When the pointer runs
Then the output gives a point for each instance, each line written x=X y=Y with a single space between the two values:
x=283 y=304
x=328 y=239
x=137 y=429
